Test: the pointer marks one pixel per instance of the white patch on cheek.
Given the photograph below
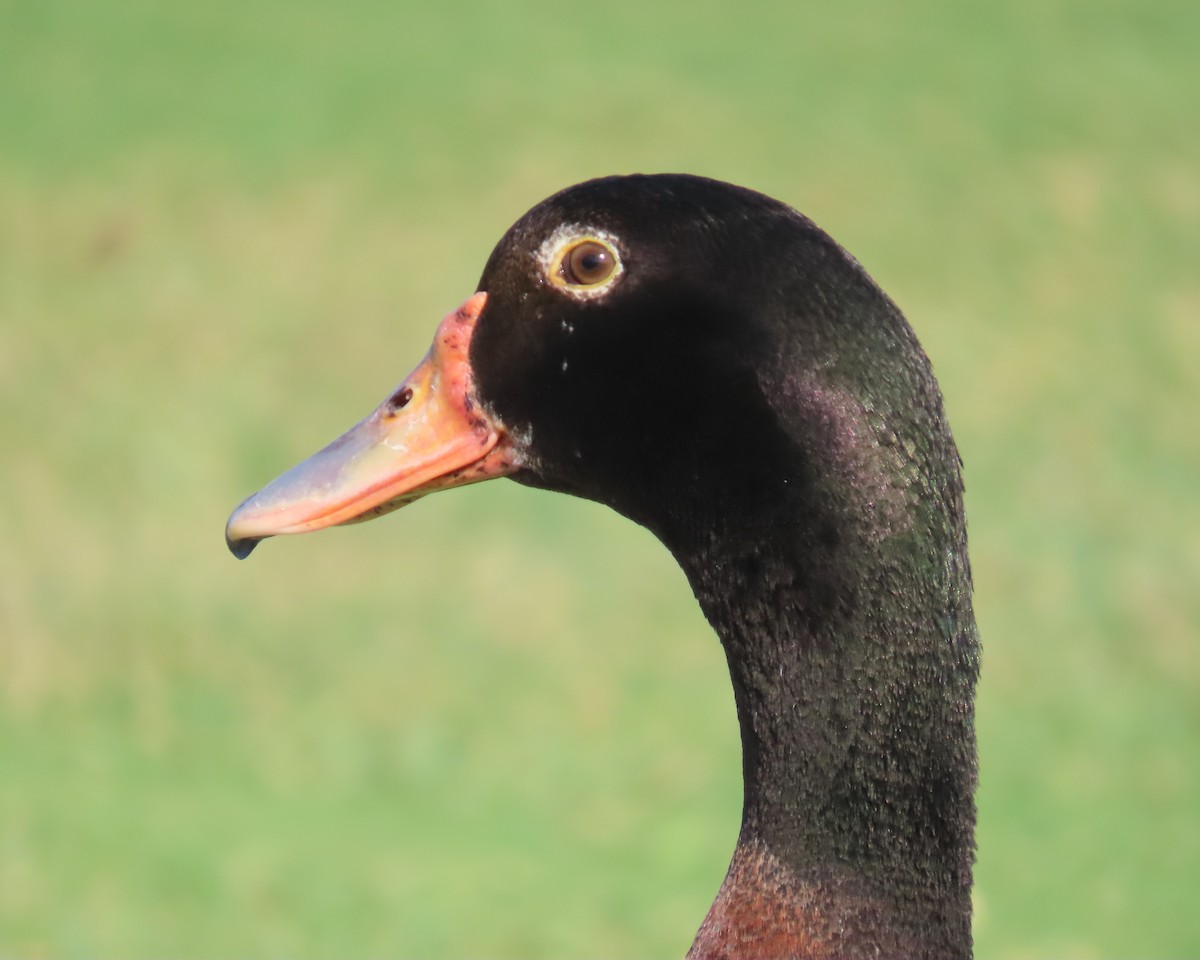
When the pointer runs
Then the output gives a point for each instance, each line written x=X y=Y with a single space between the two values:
x=521 y=442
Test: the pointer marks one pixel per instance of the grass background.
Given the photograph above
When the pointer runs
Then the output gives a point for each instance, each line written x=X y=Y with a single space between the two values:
x=494 y=724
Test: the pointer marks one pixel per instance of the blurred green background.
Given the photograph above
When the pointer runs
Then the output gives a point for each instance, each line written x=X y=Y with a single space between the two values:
x=495 y=724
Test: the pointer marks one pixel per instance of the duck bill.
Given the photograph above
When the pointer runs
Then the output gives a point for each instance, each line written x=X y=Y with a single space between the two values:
x=430 y=434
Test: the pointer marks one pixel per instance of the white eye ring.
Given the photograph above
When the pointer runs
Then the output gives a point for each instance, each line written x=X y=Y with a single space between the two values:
x=552 y=257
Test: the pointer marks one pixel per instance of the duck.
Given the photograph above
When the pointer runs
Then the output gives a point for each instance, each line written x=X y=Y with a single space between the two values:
x=712 y=365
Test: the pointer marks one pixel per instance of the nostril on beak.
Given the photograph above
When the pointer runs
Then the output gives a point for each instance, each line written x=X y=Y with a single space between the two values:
x=399 y=399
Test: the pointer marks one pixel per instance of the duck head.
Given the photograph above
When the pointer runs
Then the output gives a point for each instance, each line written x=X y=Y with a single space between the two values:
x=709 y=363
x=671 y=346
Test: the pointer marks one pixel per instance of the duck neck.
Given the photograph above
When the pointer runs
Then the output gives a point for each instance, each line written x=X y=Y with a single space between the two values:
x=853 y=662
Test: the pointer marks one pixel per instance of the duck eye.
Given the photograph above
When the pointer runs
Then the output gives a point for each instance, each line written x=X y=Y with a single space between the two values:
x=588 y=263
x=581 y=262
